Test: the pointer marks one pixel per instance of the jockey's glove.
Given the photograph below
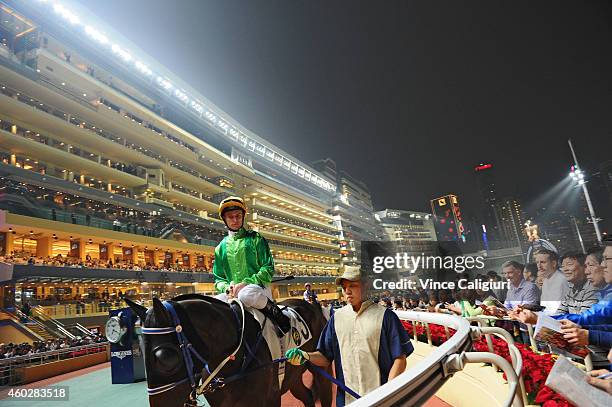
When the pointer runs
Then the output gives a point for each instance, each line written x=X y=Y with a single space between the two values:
x=296 y=356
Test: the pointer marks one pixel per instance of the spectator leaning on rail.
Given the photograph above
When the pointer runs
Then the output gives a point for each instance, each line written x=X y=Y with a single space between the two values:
x=520 y=291
x=555 y=287
x=244 y=266
x=594 y=270
x=366 y=341
x=466 y=304
x=581 y=294
x=598 y=314
x=581 y=297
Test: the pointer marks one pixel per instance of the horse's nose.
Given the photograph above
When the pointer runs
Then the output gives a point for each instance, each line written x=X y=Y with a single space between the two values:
x=166 y=359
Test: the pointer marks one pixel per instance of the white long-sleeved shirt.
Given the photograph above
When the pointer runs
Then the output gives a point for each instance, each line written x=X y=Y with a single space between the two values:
x=554 y=290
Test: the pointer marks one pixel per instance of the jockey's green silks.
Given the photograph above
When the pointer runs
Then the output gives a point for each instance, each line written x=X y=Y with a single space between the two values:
x=242 y=257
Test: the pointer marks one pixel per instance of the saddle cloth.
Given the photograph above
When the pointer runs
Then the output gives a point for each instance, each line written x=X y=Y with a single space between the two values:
x=298 y=335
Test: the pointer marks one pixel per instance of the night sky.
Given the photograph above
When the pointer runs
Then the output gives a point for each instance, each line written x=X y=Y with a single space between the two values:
x=406 y=96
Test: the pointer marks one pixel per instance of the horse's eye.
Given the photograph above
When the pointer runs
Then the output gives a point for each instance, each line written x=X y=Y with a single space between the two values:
x=166 y=359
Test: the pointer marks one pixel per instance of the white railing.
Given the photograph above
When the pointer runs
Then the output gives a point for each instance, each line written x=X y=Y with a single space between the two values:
x=10 y=367
x=419 y=383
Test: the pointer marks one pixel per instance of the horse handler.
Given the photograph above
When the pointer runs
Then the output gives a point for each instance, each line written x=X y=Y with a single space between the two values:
x=366 y=341
x=243 y=266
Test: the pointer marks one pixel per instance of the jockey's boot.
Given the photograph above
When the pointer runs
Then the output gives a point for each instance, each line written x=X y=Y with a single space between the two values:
x=272 y=311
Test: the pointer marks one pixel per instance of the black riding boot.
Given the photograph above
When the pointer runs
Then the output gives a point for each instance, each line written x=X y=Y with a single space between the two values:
x=281 y=320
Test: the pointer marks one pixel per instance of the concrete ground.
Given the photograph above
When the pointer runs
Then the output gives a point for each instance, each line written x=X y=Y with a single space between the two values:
x=92 y=387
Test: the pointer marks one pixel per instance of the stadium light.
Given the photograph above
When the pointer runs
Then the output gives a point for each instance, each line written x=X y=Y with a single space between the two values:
x=61 y=10
x=578 y=176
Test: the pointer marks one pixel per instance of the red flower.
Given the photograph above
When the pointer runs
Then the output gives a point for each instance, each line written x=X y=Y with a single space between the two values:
x=535 y=370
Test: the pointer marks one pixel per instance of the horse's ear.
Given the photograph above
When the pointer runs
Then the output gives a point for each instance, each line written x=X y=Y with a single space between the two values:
x=161 y=315
x=137 y=308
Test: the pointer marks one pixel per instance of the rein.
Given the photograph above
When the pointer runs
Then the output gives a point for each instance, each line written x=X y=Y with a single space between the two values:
x=212 y=382
x=188 y=350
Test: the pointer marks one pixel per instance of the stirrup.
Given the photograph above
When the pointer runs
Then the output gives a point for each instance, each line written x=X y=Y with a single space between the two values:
x=275 y=314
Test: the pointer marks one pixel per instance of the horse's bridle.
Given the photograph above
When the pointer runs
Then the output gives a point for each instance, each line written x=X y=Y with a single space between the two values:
x=188 y=350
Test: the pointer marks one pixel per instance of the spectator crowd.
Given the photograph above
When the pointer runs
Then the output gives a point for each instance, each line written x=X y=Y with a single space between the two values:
x=574 y=288
x=90 y=262
x=11 y=350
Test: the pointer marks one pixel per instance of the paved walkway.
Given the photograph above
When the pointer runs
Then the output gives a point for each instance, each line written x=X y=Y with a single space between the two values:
x=91 y=387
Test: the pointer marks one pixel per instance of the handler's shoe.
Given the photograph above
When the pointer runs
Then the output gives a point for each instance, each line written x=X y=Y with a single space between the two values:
x=281 y=320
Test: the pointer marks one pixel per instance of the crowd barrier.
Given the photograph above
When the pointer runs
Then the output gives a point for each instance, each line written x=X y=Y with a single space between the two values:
x=588 y=362
x=37 y=366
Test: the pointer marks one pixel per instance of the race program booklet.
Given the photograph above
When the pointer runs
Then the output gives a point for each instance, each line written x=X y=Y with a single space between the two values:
x=570 y=382
x=548 y=330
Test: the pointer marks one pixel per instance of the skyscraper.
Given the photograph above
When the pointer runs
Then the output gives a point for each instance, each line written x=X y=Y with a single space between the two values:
x=448 y=218
x=485 y=177
x=352 y=211
x=511 y=220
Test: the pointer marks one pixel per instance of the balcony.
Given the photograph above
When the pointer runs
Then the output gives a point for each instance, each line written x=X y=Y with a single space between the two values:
x=96 y=139
x=51 y=274
x=300 y=208
x=257 y=218
x=259 y=203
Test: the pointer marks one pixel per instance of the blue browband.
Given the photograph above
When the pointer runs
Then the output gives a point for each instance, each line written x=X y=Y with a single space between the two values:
x=211 y=383
x=188 y=350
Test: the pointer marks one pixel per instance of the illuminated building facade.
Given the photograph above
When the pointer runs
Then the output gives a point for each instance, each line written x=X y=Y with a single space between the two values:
x=110 y=162
x=448 y=218
x=485 y=177
x=352 y=211
x=412 y=232
x=512 y=219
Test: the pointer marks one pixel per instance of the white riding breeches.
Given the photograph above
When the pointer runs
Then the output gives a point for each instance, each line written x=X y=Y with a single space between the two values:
x=252 y=296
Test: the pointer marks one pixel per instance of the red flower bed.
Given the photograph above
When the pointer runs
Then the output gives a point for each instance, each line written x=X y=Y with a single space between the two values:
x=536 y=367
x=437 y=332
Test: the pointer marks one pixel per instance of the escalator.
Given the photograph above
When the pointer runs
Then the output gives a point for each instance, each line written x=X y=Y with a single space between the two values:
x=39 y=331
x=78 y=330
x=52 y=325
x=35 y=326
x=46 y=327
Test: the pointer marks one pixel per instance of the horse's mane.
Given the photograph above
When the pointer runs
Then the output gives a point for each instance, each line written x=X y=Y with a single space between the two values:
x=205 y=298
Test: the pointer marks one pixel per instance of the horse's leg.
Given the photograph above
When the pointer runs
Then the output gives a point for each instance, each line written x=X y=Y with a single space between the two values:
x=323 y=386
x=313 y=316
x=299 y=390
x=256 y=390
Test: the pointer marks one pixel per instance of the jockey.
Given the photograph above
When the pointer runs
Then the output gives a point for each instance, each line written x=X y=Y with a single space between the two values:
x=309 y=295
x=243 y=266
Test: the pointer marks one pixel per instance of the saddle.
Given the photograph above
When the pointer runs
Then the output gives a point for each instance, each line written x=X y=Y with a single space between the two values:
x=298 y=335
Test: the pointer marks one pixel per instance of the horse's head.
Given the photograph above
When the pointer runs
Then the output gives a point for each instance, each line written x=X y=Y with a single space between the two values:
x=207 y=324
x=164 y=362
x=220 y=335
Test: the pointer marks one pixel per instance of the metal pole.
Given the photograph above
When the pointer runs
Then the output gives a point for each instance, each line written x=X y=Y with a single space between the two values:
x=579 y=235
x=516 y=234
x=586 y=196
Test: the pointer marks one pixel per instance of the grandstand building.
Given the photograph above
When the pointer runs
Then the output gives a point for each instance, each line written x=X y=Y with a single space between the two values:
x=352 y=211
x=112 y=168
x=411 y=232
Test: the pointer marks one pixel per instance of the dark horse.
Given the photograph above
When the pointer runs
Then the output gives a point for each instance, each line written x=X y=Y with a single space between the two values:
x=213 y=328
